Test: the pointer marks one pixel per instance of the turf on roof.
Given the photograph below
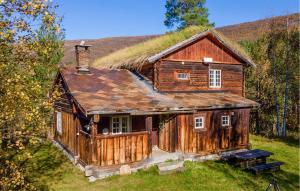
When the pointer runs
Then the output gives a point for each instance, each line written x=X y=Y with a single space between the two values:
x=135 y=56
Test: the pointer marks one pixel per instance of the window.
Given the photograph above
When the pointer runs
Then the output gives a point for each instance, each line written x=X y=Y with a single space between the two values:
x=120 y=124
x=182 y=76
x=214 y=78
x=116 y=125
x=58 y=122
x=225 y=120
x=199 y=122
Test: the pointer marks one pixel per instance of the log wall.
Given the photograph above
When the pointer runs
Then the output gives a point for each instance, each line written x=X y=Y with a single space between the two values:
x=163 y=72
x=121 y=149
x=179 y=133
x=231 y=77
x=70 y=126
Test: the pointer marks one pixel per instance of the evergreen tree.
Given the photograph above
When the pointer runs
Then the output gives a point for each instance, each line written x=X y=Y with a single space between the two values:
x=184 y=13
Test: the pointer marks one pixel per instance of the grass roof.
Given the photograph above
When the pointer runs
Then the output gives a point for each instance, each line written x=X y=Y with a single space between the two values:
x=135 y=56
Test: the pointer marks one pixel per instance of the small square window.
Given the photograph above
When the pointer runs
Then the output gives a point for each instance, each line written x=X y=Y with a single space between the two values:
x=225 y=120
x=182 y=76
x=199 y=122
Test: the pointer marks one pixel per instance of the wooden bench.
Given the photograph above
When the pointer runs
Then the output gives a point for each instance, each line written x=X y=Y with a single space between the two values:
x=274 y=166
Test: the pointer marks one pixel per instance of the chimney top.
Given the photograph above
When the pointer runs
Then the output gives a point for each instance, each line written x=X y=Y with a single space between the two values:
x=82 y=54
x=82 y=44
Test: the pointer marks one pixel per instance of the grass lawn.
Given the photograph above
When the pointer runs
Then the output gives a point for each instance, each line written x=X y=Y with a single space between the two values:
x=50 y=168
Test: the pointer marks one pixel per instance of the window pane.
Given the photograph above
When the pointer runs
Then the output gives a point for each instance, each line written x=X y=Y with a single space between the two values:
x=199 y=123
x=214 y=78
x=211 y=78
x=182 y=76
x=116 y=125
x=225 y=120
x=58 y=122
x=124 y=124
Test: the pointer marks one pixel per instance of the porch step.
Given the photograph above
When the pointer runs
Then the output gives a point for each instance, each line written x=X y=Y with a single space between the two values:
x=170 y=167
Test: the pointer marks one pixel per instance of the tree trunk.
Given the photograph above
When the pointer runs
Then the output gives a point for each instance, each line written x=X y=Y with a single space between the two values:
x=276 y=99
x=257 y=113
x=283 y=133
x=286 y=96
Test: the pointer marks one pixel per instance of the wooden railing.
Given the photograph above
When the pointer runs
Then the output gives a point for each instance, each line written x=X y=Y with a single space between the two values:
x=121 y=148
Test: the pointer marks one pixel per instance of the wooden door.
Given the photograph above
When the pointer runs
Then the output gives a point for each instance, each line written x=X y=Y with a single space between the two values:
x=154 y=138
x=84 y=147
x=167 y=133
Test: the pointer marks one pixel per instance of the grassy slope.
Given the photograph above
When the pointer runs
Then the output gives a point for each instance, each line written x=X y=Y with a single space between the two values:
x=52 y=168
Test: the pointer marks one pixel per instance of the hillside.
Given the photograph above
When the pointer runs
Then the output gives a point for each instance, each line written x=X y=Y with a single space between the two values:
x=253 y=30
x=244 y=31
x=103 y=46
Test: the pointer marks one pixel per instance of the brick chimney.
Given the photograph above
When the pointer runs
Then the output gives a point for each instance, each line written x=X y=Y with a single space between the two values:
x=82 y=53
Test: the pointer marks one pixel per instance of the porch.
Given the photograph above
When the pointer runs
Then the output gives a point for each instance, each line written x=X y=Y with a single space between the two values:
x=125 y=139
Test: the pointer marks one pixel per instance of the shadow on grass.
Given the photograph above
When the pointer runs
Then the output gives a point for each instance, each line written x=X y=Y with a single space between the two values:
x=47 y=163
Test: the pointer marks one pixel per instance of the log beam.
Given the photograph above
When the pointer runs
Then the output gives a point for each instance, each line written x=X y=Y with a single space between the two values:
x=148 y=126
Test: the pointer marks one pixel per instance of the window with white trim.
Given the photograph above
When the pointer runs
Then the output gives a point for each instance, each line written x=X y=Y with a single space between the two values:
x=214 y=78
x=199 y=122
x=120 y=124
x=58 y=122
x=225 y=120
x=182 y=76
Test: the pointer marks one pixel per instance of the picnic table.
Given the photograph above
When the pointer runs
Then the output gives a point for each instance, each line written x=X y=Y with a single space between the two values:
x=249 y=158
x=253 y=160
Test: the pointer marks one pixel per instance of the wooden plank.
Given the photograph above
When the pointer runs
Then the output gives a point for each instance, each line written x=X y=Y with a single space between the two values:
x=133 y=148
x=110 y=153
x=116 y=150
x=122 y=150
x=145 y=146
x=128 y=149
x=139 y=148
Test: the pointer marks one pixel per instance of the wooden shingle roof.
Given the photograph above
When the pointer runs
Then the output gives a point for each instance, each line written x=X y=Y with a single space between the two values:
x=120 y=91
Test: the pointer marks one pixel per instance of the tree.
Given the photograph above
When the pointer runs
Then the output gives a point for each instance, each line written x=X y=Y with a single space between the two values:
x=30 y=48
x=274 y=83
x=184 y=13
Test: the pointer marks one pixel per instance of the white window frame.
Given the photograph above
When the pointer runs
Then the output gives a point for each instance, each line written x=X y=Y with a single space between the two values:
x=213 y=83
x=182 y=76
x=120 y=124
x=197 y=124
x=59 y=122
x=225 y=120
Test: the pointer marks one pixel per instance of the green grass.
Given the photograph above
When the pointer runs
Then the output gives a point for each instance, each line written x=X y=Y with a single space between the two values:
x=49 y=167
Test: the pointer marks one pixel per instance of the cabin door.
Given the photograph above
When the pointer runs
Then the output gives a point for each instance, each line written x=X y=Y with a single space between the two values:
x=224 y=138
x=154 y=138
x=167 y=133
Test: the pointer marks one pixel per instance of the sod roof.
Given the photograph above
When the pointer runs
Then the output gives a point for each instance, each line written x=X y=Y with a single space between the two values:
x=134 y=57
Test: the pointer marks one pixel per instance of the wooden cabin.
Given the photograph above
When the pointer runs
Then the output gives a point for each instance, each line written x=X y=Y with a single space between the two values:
x=187 y=98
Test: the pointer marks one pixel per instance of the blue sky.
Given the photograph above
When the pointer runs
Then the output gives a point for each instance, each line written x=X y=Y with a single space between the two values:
x=90 y=19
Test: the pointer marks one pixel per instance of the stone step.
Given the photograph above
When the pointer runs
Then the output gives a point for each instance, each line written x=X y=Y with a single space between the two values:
x=170 y=167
